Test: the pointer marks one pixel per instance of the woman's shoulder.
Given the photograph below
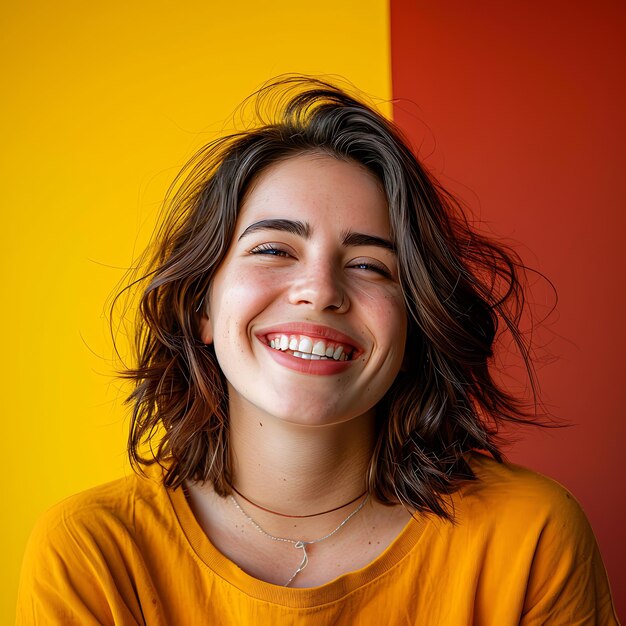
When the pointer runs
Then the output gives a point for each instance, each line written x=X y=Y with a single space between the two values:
x=506 y=495
x=522 y=521
x=513 y=483
x=514 y=486
x=88 y=554
x=114 y=505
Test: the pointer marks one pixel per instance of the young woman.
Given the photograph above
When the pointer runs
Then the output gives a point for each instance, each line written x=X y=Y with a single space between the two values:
x=314 y=350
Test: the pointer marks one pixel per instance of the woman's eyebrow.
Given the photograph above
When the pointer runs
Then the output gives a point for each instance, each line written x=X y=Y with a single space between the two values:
x=288 y=226
x=303 y=229
x=360 y=239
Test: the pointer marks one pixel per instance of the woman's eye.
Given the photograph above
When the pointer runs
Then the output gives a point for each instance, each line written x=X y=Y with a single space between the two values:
x=370 y=266
x=270 y=249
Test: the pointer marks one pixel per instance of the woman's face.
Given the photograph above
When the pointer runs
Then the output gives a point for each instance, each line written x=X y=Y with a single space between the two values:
x=306 y=313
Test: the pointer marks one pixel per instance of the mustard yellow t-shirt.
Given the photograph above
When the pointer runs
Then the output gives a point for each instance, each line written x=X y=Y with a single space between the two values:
x=131 y=552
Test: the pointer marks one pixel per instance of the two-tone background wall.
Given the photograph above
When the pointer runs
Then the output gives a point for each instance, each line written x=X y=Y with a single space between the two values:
x=518 y=107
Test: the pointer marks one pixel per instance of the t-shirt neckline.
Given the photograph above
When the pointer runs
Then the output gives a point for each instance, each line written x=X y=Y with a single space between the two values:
x=208 y=556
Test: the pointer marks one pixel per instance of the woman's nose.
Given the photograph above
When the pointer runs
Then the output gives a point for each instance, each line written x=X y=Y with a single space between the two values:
x=321 y=288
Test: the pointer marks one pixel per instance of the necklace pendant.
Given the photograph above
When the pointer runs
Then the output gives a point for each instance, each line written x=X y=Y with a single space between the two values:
x=300 y=545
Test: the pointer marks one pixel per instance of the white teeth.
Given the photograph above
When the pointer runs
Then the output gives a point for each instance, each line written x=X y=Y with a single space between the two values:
x=306 y=348
x=319 y=348
x=305 y=345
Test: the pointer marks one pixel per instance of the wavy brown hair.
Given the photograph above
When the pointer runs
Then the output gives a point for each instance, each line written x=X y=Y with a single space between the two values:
x=459 y=287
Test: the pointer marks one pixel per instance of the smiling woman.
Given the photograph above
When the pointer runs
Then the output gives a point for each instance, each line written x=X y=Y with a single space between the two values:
x=299 y=272
x=314 y=368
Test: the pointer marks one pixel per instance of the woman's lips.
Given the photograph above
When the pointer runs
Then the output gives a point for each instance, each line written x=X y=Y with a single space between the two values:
x=310 y=348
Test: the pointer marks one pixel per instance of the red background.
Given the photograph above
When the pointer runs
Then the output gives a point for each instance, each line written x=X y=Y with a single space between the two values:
x=519 y=108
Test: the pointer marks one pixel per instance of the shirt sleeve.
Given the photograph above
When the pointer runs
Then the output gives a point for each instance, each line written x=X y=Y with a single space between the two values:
x=568 y=583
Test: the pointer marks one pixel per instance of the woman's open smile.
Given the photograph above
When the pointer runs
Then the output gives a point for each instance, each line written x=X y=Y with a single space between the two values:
x=306 y=312
x=310 y=348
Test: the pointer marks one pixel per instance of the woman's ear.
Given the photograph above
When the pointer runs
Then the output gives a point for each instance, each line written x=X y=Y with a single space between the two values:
x=206 y=329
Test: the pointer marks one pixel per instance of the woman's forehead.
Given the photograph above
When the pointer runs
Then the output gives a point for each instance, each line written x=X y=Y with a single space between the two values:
x=317 y=188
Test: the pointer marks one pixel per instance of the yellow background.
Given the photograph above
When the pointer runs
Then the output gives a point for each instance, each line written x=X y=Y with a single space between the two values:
x=102 y=104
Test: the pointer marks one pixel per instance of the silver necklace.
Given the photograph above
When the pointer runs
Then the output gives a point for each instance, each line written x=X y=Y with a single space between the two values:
x=300 y=544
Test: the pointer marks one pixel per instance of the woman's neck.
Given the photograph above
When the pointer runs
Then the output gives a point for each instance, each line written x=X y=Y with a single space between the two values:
x=299 y=469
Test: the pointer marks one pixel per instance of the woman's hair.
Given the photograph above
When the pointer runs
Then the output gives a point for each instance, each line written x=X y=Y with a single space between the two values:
x=459 y=289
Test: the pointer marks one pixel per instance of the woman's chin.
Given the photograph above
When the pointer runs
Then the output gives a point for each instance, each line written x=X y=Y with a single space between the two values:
x=314 y=416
